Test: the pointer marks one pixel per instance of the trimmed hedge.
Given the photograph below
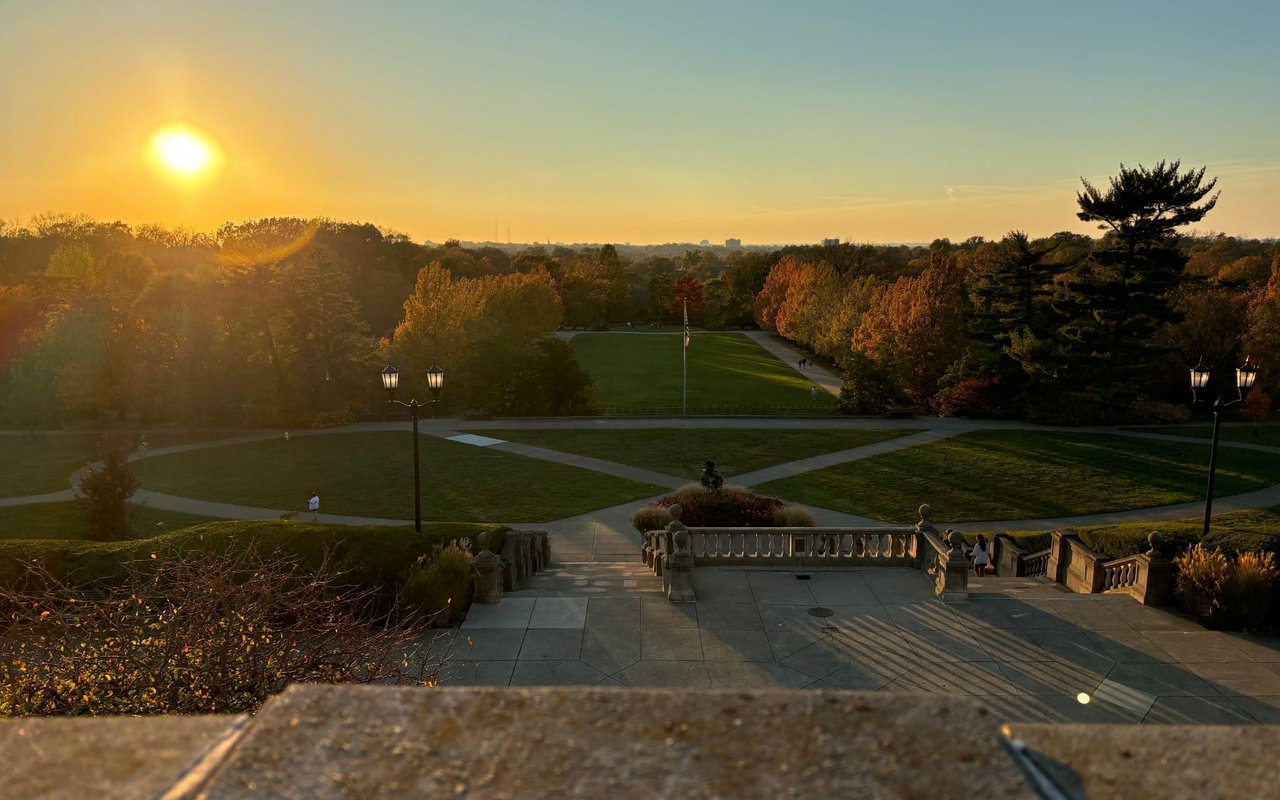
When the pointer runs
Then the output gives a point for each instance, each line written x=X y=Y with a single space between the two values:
x=373 y=557
x=1233 y=533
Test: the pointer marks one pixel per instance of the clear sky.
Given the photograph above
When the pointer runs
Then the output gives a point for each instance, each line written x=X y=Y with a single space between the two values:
x=642 y=122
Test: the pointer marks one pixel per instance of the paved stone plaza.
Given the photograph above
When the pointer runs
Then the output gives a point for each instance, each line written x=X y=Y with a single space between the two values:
x=1031 y=649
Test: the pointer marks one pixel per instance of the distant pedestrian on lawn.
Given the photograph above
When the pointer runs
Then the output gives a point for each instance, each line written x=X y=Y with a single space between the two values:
x=314 y=506
x=143 y=445
x=813 y=392
x=981 y=558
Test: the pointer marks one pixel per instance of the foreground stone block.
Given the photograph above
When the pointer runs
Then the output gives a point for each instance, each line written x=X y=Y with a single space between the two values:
x=1106 y=762
x=110 y=757
x=349 y=742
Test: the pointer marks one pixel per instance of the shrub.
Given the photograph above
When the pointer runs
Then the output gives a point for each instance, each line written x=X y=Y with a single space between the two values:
x=1156 y=412
x=196 y=633
x=1202 y=575
x=1119 y=541
x=375 y=558
x=107 y=487
x=731 y=507
x=1243 y=542
x=650 y=518
x=1250 y=592
x=1051 y=407
x=437 y=588
x=970 y=397
x=869 y=386
x=792 y=517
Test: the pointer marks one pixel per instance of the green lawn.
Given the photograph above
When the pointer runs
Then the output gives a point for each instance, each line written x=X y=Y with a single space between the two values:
x=992 y=475
x=67 y=521
x=1253 y=434
x=371 y=475
x=728 y=373
x=38 y=463
x=683 y=452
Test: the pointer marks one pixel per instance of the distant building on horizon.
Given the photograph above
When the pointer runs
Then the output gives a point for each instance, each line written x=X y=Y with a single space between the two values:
x=733 y=243
x=704 y=243
x=830 y=242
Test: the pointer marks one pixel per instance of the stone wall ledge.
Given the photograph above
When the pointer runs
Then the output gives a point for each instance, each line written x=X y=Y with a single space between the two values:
x=367 y=742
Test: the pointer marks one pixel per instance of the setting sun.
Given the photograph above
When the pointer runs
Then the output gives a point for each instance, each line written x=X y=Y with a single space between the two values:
x=183 y=152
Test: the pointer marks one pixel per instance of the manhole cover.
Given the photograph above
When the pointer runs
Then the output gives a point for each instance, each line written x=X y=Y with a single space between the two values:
x=819 y=611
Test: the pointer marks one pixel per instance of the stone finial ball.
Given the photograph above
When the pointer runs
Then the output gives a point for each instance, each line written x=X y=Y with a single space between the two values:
x=1155 y=539
x=484 y=538
x=676 y=511
x=926 y=511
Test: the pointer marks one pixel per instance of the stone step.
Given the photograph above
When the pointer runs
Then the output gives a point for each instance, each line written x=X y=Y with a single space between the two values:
x=591 y=579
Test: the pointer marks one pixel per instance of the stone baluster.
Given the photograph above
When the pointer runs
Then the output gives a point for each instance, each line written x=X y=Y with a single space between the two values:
x=487 y=568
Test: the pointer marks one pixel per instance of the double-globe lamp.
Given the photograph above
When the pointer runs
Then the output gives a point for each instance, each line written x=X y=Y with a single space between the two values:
x=1246 y=376
x=435 y=382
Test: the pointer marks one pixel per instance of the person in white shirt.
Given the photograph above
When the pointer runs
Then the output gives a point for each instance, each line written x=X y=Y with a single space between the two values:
x=981 y=557
x=314 y=507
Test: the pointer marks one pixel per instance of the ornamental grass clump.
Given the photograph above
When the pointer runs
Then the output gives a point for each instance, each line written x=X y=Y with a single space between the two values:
x=1202 y=574
x=1251 y=591
x=1239 y=593
x=435 y=592
x=196 y=633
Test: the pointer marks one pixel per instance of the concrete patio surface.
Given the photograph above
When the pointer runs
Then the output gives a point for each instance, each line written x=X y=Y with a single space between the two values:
x=1032 y=651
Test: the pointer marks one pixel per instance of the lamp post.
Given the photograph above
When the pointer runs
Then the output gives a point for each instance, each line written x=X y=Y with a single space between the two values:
x=435 y=382
x=1246 y=376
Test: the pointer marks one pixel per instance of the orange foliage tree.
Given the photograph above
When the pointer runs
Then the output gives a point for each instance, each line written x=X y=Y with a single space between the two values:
x=916 y=330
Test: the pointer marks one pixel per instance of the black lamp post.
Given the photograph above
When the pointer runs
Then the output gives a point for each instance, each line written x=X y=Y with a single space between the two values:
x=435 y=382
x=1246 y=376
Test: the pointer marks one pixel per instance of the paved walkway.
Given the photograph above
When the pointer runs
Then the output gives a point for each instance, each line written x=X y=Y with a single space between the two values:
x=1032 y=650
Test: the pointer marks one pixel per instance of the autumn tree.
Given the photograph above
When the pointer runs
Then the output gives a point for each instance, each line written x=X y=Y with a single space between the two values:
x=105 y=491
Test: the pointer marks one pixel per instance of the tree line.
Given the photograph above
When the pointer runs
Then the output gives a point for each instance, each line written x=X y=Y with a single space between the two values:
x=287 y=320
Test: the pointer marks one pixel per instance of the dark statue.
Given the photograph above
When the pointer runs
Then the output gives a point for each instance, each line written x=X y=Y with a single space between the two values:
x=712 y=481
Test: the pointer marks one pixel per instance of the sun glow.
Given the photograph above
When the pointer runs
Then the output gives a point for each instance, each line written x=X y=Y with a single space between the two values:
x=183 y=152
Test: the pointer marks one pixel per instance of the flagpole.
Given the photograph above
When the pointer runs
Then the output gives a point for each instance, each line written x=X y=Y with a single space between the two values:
x=684 y=363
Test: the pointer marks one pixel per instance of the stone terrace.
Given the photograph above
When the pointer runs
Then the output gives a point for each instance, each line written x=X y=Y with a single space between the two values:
x=1032 y=651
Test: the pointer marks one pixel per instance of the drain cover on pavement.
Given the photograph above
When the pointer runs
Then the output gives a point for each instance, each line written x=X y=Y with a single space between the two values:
x=819 y=611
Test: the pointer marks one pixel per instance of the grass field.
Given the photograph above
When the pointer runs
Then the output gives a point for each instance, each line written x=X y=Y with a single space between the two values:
x=37 y=463
x=1253 y=434
x=1026 y=475
x=67 y=521
x=371 y=475
x=683 y=452
x=728 y=373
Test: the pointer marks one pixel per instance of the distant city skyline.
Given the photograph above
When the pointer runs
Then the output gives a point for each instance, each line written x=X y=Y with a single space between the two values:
x=650 y=123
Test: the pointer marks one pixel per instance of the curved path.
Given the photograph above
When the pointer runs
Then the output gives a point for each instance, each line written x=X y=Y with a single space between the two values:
x=606 y=534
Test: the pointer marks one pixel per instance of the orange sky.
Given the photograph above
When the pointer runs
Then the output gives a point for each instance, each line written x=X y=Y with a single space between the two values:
x=575 y=123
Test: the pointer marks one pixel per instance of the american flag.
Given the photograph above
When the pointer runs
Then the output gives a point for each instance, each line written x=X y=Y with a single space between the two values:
x=686 y=323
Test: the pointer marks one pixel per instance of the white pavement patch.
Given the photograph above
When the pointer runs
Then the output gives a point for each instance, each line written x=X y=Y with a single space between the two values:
x=478 y=441
x=1126 y=697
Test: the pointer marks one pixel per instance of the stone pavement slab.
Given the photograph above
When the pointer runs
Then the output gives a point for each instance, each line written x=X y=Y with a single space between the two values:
x=512 y=612
x=559 y=612
x=551 y=644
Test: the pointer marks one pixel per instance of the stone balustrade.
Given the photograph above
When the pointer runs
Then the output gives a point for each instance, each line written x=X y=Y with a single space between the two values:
x=1148 y=576
x=917 y=547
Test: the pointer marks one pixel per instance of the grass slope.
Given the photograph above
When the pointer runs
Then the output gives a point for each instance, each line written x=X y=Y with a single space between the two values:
x=992 y=475
x=1252 y=434
x=371 y=475
x=37 y=463
x=683 y=452
x=727 y=371
x=67 y=521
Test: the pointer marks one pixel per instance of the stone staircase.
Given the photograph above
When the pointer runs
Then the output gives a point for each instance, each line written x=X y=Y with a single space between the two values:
x=591 y=579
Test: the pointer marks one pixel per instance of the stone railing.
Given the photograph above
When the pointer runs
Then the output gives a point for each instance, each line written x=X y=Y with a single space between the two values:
x=1035 y=564
x=1012 y=560
x=523 y=554
x=679 y=549
x=804 y=547
x=1147 y=576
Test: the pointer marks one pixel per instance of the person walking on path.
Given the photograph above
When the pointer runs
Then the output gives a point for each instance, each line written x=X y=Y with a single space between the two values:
x=143 y=445
x=813 y=392
x=981 y=558
x=313 y=506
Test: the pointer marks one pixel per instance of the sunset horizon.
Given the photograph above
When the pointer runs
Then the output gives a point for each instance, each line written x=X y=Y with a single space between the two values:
x=570 y=123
